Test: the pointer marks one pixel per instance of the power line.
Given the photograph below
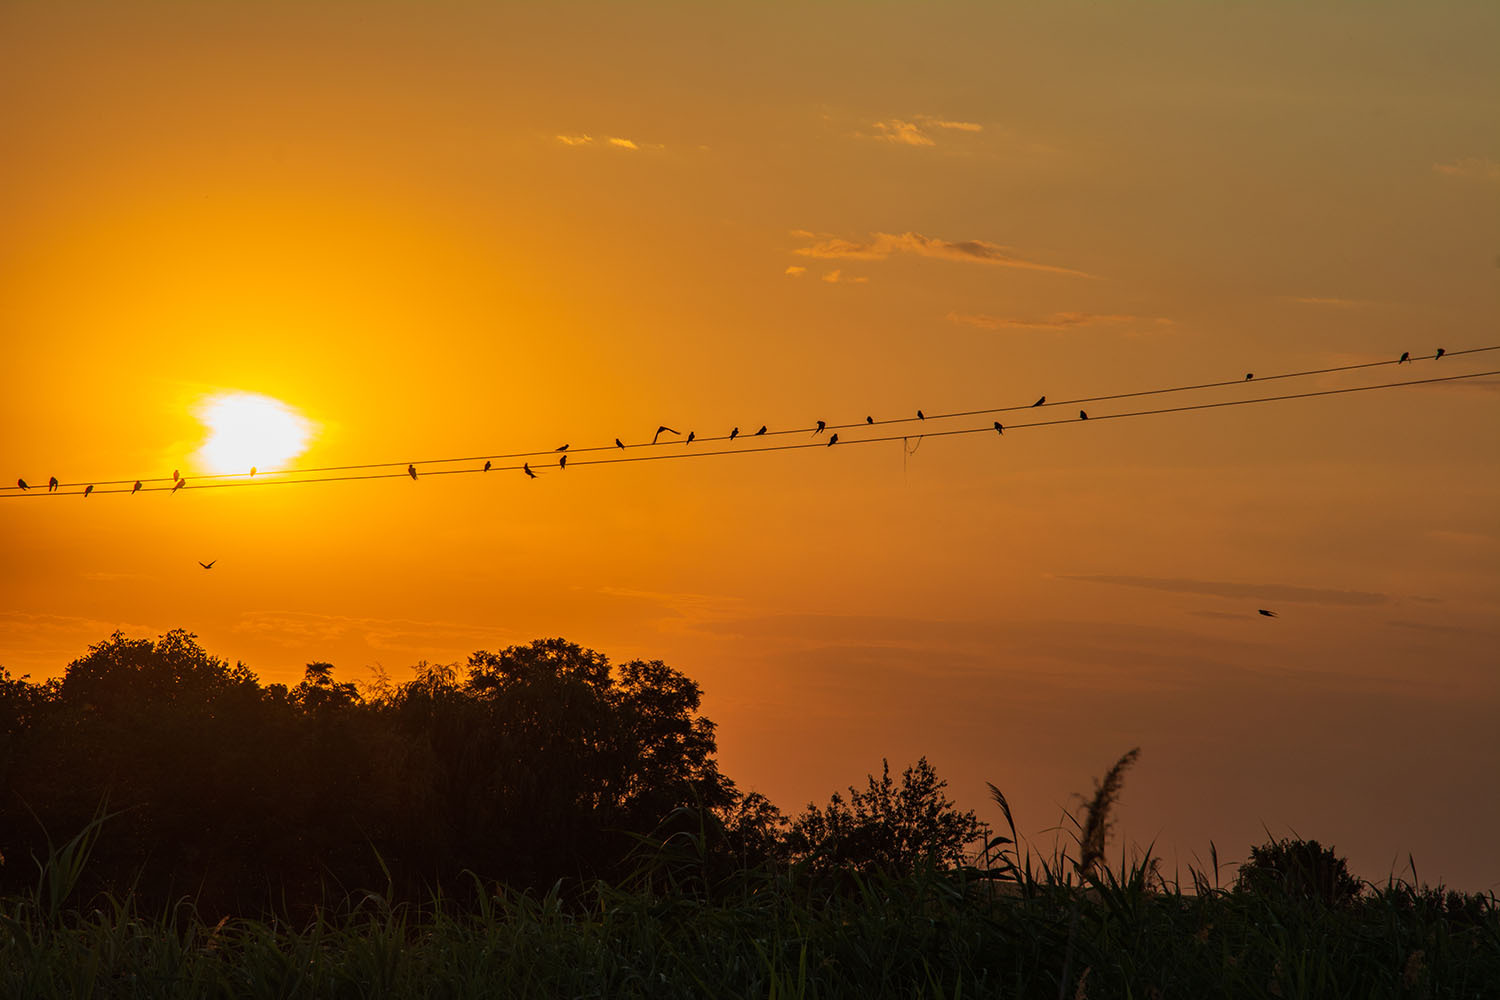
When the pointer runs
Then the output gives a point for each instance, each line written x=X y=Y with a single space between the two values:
x=757 y=449
x=869 y=422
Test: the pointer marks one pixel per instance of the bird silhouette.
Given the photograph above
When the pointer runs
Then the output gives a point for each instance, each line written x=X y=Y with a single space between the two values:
x=252 y=471
x=1083 y=415
x=998 y=428
x=920 y=416
x=22 y=483
x=1439 y=354
x=659 y=431
x=411 y=470
x=833 y=440
x=88 y=489
x=1249 y=376
x=563 y=448
x=619 y=443
x=486 y=465
x=869 y=420
x=137 y=487
x=180 y=484
x=1040 y=401
x=207 y=565
x=1268 y=614
x=821 y=426
x=761 y=431
x=175 y=476
x=51 y=484
x=734 y=434
x=1405 y=356
x=526 y=468
x=562 y=463
x=691 y=435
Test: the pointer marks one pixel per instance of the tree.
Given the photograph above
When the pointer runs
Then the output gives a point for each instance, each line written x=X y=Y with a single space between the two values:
x=895 y=830
x=1298 y=869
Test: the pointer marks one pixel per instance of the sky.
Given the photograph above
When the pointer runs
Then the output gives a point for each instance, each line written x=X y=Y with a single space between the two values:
x=446 y=230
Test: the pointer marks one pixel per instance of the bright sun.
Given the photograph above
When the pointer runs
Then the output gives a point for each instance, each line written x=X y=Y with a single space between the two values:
x=248 y=430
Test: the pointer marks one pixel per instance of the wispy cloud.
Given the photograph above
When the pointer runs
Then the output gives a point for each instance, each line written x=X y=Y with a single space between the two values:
x=1327 y=300
x=1054 y=321
x=575 y=140
x=1259 y=591
x=623 y=143
x=918 y=132
x=836 y=276
x=1472 y=167
x=884 y=245
x=796 y=271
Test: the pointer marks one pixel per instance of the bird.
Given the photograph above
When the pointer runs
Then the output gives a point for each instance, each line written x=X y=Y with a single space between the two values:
x=207 y=565
x=821 y=427
x=761 y=431
x=51 y=484
x=619 y=443
x=1439 y=354
x=252 y=471
x=1249 y=376
x=659 y=431
x=22 y=483
x=175 y=475
x=411 y=470
x=562 y=463
x=180 y=484
x=833 y=440
x=691 y=435
x=1405 y=356
x=1083 y=415
x=1040 y=401
x=734 y=434
x=486 y=465
x=869 y=420
x=563 y=448
x=137 y=487
x=88 y=489
x=920 y=416
x=1268 y=614
x=526 y=468
x=998 y=428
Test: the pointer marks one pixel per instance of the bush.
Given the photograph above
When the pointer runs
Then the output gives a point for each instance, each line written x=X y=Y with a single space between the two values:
x=1298 y=869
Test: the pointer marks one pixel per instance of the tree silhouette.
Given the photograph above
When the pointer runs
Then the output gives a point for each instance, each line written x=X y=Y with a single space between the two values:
x=1298 y=869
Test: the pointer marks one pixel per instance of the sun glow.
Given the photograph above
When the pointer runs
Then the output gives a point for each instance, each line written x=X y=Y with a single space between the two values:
x=248 y=431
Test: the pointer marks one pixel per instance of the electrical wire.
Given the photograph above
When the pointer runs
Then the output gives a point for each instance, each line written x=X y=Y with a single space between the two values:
x=750 y=449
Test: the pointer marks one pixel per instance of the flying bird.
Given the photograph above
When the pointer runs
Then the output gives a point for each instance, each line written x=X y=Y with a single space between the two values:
x=51 y=484
x=833 y=440
x=659 y=431
x=920 y=416
x=869 y=420
x=998 y=428
x=562 y=463
x=1268 y=614
x=1439 y=354
x=821 y=427
x=526 y=468
x=1083 y=415
x=486 y=465
x=1040 y=401
x=88 y=489
x=734 y=434
x=411 y=470
x=134 y=489
x=1249 y=376
x=563 y=448
x=619 y=443
x=207 y=565
x=22 y=483
x=761 y=431
x=180 y=484
x=1405 y=356
x=691 y=435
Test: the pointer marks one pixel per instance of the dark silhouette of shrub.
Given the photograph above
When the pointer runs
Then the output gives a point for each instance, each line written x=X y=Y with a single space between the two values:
x=1300 y=870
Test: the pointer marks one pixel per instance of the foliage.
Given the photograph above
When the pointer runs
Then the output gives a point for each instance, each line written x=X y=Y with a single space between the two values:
x=1298 y=869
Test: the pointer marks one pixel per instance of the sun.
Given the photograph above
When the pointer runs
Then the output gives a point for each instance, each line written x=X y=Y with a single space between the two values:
x=249 y=431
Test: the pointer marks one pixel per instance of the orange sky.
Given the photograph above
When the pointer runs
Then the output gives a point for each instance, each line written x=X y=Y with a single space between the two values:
x=464 y=229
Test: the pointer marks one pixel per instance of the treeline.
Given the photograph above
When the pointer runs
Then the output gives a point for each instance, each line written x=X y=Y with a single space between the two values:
x=528 y=766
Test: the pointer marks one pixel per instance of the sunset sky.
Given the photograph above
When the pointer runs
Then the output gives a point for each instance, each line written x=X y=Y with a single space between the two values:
x=467 y=229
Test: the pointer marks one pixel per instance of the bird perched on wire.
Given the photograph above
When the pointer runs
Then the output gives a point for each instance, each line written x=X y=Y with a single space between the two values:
x=1249 y=376
x=734 y=434
x=1268 y=614
x=821 y=427
x=619 y=443
x=207 y=565
x=88 y=489
x=137 y=487
x=526 y=468
x=175 y=475
x=51 y=484
x=1405 y=356
x=180 y=484
x=833 y=440
x=563 y=448
x=869 y=420
x=660 y=430
x=562 y=463
x=1083 y=415
x=1439 y=354
x=486 y=465
x=690 y=437
x=761 y=431
x=1040 y=401
x=252 y=472
x=22 y=483
x=411 y=470
x=999 y=429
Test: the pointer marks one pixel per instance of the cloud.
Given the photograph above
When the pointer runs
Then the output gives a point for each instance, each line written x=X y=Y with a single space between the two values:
x=960 y=126
x=575 y=140
x=1054 y=321
x=1318 y=300
x=1473 y=167
x=884 y=245
x=796 y=271
x=902 y=133
x=1257 y=591
x=623 y=143
x=836 y=276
